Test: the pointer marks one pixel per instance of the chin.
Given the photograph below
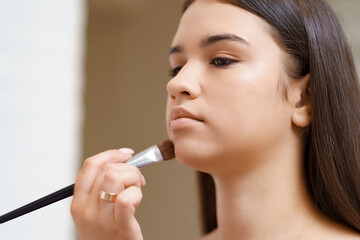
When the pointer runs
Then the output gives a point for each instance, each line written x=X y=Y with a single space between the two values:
x=196 y=154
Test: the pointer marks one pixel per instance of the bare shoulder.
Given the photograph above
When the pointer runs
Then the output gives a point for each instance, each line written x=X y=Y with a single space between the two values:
x=349 y=236
x=328 y=229
x=336 y=233
x=353 y=236
x=341 y=232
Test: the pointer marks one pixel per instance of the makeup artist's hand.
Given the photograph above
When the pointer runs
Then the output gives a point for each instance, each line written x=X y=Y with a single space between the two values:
x=96 y=218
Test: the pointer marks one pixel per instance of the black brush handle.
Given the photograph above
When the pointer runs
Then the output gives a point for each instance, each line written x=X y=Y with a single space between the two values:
x=42 y=202
x=166 y=149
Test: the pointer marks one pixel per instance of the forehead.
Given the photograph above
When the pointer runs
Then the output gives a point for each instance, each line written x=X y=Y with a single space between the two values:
x=208 y=17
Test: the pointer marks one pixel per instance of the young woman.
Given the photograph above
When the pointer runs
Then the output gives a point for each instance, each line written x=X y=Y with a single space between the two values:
x=264 y=99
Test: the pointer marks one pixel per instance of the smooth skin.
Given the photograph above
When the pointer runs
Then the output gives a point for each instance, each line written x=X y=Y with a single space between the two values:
x=227 y=69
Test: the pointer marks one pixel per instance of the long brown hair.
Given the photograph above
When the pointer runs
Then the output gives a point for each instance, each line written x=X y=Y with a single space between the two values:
x=310 y=34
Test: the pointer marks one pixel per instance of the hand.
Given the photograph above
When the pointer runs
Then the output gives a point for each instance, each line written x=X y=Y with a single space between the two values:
x=96 y=218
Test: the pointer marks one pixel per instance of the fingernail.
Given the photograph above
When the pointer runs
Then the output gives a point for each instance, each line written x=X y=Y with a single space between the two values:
x=127 y=151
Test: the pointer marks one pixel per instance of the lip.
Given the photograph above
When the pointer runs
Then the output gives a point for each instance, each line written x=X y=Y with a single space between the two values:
x=180 y=117
x=179 y=112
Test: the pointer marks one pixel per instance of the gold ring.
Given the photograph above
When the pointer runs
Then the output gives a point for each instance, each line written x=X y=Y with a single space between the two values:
x=111 y=197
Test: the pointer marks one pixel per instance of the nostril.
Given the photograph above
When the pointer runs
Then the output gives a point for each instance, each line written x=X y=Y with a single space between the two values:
x=186 y=93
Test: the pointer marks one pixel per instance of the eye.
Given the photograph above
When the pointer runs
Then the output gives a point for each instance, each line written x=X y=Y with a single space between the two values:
x=174 y=71
x=222 y=62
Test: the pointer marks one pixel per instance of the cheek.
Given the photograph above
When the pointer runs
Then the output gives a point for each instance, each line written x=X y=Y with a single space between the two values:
x=248 y=113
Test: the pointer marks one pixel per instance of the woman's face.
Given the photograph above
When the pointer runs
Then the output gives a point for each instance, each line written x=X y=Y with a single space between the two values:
x=224 y=106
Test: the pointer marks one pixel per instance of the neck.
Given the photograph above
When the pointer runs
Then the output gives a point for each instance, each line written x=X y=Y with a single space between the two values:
x=269 y=201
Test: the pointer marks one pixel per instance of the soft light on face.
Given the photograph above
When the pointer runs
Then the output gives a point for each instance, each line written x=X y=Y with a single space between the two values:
x=223 y=103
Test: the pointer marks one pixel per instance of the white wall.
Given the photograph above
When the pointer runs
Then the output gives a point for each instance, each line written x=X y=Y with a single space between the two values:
x=41 y=61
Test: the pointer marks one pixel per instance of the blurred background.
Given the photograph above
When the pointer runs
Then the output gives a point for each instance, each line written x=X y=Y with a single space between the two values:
x=79 y=77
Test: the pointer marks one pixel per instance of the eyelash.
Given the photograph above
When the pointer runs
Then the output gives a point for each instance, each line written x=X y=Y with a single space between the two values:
x=217 y=62
x=174 y=71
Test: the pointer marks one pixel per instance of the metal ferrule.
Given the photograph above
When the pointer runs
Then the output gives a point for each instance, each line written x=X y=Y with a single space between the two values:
x=147 y=157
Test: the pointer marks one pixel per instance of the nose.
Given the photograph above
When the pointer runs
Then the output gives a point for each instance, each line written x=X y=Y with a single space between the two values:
x=185 y=85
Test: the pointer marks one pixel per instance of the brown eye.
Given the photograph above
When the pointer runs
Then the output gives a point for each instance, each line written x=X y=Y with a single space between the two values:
x=222 y=62
x=174 y=71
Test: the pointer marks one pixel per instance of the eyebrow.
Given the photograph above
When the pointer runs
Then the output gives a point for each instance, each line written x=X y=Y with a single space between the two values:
x=176 y=49
x=212 y=40
x=221 y=37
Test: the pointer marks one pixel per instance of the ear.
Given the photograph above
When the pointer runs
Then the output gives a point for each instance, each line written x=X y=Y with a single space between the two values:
x=301 y=115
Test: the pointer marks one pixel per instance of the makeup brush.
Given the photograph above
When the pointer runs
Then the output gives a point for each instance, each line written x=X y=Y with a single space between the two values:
x=158 y=153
